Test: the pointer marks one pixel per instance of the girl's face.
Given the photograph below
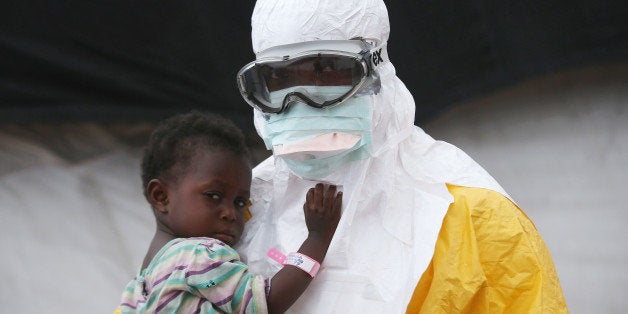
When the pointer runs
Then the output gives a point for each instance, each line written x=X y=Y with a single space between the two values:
x=210 y=198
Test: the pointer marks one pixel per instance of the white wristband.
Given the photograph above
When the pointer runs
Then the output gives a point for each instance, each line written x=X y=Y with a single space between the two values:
x=302 y=261
x=306 y=263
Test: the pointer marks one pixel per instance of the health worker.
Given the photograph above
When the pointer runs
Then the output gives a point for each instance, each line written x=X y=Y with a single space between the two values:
x=424 y=227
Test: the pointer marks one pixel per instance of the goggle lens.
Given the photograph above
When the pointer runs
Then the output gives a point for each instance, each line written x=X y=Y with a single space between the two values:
x=307 y=72
x=311 y=71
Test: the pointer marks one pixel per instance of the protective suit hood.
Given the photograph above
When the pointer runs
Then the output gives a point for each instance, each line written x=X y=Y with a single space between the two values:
x=276 y=23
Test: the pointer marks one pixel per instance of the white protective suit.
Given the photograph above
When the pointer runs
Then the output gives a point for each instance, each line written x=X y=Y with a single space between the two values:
x=394 y=202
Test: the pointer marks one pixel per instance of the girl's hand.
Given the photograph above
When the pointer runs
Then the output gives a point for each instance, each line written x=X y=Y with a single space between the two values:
x=322 y=210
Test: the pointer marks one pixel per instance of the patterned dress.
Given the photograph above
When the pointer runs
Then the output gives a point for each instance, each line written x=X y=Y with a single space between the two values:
x=195 y=275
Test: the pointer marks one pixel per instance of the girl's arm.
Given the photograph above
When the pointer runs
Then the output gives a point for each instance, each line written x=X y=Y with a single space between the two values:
x=322 y=213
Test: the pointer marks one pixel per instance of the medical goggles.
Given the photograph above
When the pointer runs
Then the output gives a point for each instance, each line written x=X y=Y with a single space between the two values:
x=303 y=70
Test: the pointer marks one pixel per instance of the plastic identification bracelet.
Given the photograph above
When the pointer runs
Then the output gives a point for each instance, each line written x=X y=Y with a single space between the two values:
x=302 y=261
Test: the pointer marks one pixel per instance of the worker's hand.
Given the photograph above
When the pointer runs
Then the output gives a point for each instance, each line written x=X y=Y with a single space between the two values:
x=322 y=210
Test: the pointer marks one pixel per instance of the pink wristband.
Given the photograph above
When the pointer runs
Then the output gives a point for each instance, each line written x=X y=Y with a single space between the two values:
x=276 y=256
x=302 y=261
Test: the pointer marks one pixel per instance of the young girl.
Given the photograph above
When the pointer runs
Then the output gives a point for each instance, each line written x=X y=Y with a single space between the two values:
x=196 y=176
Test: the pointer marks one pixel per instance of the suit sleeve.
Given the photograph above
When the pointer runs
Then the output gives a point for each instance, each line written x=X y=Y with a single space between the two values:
x=488 y=258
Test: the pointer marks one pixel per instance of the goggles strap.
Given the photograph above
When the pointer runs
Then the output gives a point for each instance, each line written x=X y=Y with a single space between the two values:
x=378 y=56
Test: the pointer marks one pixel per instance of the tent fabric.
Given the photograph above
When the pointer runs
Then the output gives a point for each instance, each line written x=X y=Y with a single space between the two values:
x=143 y=60
x=507 y=266
x=74 y=221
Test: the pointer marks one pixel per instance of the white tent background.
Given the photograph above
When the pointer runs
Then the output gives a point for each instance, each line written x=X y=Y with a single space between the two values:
x=75 y=225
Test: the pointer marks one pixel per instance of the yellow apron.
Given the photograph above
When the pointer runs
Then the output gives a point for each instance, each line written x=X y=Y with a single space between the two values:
x=489 y=258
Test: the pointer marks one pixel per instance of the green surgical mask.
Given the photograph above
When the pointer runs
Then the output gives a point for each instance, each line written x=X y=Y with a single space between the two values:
x=302 y=122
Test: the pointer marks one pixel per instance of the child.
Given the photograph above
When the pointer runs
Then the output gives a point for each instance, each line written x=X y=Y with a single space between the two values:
x=196 y=177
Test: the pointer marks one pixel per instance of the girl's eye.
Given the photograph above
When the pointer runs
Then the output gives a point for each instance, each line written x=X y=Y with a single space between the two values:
x=240 y=203
x=212 y=195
